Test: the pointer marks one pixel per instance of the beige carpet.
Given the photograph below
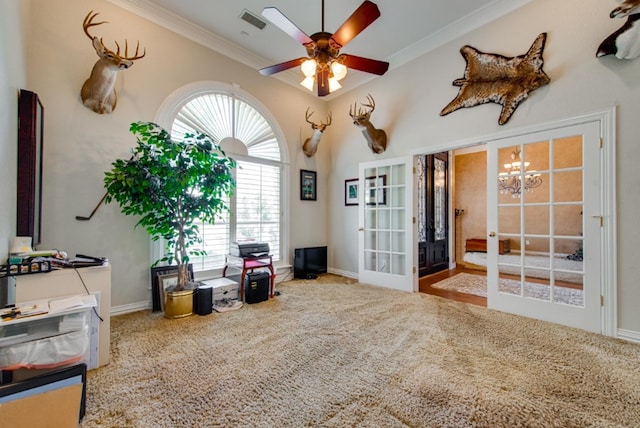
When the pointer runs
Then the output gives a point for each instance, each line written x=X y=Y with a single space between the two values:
x=330 y=353
x=477 y=285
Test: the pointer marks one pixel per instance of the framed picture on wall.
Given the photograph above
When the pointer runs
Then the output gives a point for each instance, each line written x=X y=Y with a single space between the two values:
x=375 y=194
x=308 y=189
x=351 y=191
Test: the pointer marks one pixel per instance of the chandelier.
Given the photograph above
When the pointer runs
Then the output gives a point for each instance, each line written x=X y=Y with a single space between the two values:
x=516 y=178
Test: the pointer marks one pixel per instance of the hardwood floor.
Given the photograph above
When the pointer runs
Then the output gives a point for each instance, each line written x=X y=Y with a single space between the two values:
x=426 y=281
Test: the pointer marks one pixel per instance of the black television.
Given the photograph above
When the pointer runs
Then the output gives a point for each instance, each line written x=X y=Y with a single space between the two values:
x=309 y=262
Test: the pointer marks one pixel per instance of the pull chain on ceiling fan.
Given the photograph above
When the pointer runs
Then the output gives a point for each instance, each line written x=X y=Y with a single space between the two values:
x=324 y=65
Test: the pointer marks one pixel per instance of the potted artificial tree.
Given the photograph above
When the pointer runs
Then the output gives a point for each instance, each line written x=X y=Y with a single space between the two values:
x=171 y=185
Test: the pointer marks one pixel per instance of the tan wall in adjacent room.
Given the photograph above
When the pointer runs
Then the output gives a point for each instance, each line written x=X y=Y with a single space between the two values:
x=470 y=196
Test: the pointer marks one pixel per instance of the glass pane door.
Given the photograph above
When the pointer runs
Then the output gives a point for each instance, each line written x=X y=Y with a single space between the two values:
x=541 y=197
x=386 y=229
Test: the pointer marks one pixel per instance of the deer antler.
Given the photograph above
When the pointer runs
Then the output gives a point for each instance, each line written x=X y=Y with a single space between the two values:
x=307 y=115
x=352 y=111
x=329 y=122
x=322 y=125
x=88 y=23
x=371 y=104
x=126 y=51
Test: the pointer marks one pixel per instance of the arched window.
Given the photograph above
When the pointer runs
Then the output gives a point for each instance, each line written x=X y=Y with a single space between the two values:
x=249 y=136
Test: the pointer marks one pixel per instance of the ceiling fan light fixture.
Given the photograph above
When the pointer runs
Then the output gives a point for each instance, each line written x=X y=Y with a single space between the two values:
x=334 y=85
x=339 y=70
x=308 y=82
x=308 y=68
x=324 y=62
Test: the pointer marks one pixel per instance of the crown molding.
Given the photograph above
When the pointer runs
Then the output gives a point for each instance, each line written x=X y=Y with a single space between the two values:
x=206 y=38
x=456 y=29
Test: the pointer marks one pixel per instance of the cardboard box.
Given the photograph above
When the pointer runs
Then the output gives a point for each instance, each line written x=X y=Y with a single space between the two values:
x=58 y=408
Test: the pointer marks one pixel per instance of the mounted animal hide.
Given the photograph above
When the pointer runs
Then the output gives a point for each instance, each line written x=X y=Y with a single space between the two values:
x=493 y=78
x=625 y=42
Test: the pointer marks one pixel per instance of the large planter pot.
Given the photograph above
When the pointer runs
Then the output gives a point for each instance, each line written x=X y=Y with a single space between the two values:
x=178 y=304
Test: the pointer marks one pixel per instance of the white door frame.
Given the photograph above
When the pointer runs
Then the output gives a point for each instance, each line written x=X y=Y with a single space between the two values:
x=606 y=119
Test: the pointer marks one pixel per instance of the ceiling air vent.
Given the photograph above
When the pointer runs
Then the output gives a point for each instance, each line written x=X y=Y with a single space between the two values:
x=252 y=19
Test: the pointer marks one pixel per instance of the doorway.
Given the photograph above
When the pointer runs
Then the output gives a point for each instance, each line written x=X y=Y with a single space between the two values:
x=433 y=212
x=597 y=167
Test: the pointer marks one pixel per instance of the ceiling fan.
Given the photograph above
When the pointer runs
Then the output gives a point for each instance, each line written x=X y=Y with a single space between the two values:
x=324 y=64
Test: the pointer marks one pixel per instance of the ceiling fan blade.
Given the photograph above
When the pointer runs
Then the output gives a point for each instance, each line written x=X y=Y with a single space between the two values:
x=278 y=19
x=365 y=64
x=322 y=80
x=358 y=21
x=272 y=69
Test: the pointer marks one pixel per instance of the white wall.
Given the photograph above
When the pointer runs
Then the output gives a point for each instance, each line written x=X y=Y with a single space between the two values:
x=13 y=76
x=580 y=83
x=80 y=144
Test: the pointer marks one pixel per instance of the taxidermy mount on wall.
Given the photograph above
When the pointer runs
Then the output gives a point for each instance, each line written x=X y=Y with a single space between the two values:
x=493 y=78
x=98 y=92
x=624 y=43
x=376 y=138
x=310 y=145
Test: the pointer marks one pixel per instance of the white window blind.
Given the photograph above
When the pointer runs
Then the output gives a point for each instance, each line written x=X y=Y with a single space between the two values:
x=255 y=204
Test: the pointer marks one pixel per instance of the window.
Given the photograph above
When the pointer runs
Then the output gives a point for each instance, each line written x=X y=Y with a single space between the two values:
x=247 y=136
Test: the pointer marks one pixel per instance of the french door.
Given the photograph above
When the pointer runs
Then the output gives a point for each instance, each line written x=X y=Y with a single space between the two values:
x=546 y=188
x=386 y=227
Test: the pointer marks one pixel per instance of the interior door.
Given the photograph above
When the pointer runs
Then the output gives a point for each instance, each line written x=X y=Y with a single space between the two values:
x=546 y=188
x=433 y=218
x=386 y=227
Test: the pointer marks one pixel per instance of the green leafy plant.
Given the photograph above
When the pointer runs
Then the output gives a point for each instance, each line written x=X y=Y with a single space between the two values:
x=171 y=185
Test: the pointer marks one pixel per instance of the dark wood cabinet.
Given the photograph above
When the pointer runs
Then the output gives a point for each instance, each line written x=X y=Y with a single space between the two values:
x=29 y=180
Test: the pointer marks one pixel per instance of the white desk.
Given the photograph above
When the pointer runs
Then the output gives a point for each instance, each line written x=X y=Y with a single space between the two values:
x=65 y=282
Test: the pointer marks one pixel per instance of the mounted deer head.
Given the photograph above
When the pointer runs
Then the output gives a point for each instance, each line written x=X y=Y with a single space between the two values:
x=98 y=92
x=376 y=138
x=311 y=144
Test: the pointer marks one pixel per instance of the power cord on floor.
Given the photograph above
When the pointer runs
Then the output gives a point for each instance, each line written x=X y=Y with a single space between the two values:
x=88 y=293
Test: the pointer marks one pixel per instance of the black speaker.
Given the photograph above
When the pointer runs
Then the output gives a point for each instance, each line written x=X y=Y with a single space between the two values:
x=256 y=287
x=298 y=263
x=204 y=299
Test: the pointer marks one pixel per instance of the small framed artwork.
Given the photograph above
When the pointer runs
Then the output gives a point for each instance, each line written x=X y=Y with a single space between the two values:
x=351 y=191
x=308 y=185
x=165 y=281
x=156 y=291
x=375 y=194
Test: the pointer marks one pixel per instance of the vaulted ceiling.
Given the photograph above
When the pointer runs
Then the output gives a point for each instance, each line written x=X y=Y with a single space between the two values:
x=405 y=30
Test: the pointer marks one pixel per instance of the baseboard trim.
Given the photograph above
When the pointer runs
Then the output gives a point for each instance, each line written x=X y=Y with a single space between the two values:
x=630 y=335
x=345 y=273
x=131 y=307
